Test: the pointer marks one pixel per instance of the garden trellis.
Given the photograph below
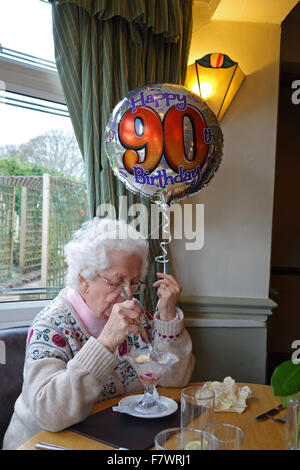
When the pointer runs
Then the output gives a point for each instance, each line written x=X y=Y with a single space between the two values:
x=51 y=208
x=7 y=207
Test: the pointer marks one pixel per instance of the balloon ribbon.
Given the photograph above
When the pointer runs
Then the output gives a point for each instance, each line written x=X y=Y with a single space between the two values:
x=163 y=259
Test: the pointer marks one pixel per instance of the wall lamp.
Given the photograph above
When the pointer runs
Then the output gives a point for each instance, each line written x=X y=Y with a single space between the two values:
x=217 y=79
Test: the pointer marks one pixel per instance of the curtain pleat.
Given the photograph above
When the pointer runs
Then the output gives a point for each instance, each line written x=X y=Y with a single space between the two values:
x=164 y=17
x=103 y=49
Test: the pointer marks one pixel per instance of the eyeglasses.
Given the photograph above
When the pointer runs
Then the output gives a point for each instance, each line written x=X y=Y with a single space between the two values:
x=137 y=288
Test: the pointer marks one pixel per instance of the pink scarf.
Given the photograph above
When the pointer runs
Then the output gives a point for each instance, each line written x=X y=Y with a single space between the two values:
x=93 y=324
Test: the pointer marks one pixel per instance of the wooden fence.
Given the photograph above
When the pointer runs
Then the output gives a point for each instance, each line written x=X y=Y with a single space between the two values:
x=7 y=211
x=51 y=209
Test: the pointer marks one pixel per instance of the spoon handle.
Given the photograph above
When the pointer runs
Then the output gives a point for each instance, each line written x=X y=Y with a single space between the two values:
x=142 y=329
x=145 y=336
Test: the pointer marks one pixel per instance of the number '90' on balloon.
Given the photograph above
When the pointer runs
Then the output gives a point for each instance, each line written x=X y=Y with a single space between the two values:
x=163 y=142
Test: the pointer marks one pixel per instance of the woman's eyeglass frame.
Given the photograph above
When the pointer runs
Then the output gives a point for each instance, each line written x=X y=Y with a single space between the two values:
x=117 y=285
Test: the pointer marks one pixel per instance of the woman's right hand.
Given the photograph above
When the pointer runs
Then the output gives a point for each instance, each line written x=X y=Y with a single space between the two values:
x=123 y=320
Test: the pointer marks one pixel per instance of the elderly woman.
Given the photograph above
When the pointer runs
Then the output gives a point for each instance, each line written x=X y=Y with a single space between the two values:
x=75 y=344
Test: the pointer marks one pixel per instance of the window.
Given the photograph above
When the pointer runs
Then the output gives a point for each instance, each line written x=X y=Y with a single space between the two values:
x=26 y=28
x=43 y=197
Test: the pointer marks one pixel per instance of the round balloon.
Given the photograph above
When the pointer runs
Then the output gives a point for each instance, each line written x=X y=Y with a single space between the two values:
x=163 y=142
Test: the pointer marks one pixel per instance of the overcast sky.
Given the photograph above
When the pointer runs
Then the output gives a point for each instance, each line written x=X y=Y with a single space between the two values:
x=26 y=26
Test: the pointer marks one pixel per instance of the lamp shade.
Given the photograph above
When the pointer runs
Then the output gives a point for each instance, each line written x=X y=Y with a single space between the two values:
x=217 y=79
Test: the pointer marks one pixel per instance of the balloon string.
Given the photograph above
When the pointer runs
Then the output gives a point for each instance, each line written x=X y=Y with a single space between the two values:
x=164 y=257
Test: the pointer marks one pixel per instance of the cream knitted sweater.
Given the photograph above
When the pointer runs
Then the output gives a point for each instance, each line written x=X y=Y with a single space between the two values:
x=67 y=370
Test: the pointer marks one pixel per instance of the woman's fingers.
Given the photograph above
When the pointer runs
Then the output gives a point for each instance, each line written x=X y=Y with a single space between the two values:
x=127 y=324
x=168 y=292
x=131 y=309
x=124 y=319
x=130 y=312
x=168 y=287
x=167 y=280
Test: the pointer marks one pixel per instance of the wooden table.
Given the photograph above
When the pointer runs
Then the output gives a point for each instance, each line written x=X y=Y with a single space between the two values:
x=259 y=435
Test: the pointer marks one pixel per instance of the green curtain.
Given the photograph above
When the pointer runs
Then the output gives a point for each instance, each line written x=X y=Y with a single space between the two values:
x=103 y=49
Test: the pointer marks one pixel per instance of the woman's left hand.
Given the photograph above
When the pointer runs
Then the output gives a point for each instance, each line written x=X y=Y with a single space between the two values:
x=168 y=293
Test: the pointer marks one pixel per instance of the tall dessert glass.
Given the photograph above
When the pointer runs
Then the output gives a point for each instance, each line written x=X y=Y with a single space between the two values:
x=150 y=371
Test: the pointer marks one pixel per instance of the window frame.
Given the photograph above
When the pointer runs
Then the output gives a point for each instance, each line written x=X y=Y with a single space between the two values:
x=30 y=80
x=36 y=82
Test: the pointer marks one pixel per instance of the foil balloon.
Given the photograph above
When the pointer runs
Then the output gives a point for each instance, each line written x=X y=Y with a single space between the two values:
x=163 y=142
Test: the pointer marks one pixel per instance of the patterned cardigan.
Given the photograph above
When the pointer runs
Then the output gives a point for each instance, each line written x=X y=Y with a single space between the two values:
x=67 y=370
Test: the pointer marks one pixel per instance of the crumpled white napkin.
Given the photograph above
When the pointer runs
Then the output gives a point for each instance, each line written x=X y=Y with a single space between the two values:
x=229 y=396
x=123 y=409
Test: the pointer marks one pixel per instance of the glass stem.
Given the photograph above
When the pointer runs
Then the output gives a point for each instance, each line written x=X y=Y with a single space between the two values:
x=149 y=389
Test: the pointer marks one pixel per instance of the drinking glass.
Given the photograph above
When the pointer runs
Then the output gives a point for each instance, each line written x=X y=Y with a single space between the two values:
x=230 y=437
x=150 y=371
x=197 y=407
x=292 y=429
x=185 y=439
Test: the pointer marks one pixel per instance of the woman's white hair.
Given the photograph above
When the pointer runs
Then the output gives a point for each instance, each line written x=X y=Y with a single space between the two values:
x=87 y=252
